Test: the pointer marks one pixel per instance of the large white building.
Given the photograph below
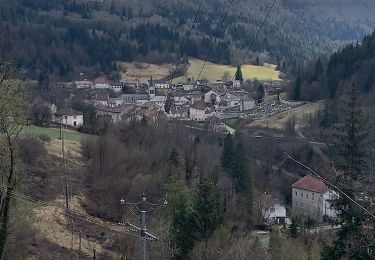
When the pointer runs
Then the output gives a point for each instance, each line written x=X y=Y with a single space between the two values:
x=116 y=86
x=312 y=198
x=101 y=82
x=83 y=84
x=199 y=111
x=68 y=117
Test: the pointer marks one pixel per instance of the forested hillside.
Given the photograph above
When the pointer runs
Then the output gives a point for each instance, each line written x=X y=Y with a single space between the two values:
x=62 y=38
x=353 y=64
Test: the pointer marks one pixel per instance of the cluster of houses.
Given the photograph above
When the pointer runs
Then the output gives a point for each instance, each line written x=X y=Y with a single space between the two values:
x=98 y=83
x=311 y=197
x=198 y=101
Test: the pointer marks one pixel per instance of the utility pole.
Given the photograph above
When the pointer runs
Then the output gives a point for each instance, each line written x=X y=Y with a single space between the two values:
x=144 y=235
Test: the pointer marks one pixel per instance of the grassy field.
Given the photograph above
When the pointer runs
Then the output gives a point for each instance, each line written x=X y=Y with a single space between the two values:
x=54 y=133
x=211 y=71
x=233 y=123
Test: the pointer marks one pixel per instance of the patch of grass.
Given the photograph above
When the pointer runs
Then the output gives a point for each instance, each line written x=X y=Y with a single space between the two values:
x=211 y=71
x=54 y=133
x=233 y=123
x=214 y=71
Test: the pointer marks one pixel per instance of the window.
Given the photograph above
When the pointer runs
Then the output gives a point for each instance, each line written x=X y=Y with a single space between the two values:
x=307 y=196
x=296 y=193
x=301 y=194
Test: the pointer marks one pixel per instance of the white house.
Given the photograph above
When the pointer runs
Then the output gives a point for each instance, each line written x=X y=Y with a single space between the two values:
x=158 y=100
x=236 y=84
x=270 y=209
x=180 y=101
x=312 y=198
x=232 y=99
x=212 y=97
x=199 y=111
x=158 y=84
x=101 y=82
x=247 y=103
x=115 y=113
x=68 y=117
x=116 y=86
x=83 y=84
x=188 y=87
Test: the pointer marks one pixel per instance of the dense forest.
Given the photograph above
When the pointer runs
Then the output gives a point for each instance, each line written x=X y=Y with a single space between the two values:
x=63 y=38
x=330 y=78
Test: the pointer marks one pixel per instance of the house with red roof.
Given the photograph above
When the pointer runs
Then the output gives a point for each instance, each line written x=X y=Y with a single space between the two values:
x=101 y=82
x=312 y=198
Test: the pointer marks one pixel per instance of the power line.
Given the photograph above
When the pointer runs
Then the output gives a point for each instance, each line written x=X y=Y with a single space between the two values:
x=256 y=35
x=204 y=64
x=142 y=230
x=214 y=42
x=187 y=38
x=330 y=184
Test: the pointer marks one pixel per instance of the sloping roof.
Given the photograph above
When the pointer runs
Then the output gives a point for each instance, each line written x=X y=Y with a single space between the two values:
x=158 y=99
x=100 y=97
x=83 y=82
x=118 y=109
x=311 y=183
x=101 y=80
x=68 y=112
x=116 y=84
x=266 y=200
x=199 y=105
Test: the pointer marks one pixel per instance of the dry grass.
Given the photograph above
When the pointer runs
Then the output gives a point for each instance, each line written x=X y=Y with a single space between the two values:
x=144 y=71
x=278 y=121
x=212 y=71
x=52 y=224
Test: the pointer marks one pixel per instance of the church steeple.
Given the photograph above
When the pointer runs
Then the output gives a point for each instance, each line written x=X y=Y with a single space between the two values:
x=151 y=88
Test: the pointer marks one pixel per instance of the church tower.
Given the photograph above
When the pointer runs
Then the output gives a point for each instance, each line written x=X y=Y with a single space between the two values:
x=151 y=88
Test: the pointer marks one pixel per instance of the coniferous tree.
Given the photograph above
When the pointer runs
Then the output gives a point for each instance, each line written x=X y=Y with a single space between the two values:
x=208 y=210
x=242 y=178
x=296 y=95
x=182 y=222
x=238 y=75
x=257 y=61
x=350 y=140
x=228 y=154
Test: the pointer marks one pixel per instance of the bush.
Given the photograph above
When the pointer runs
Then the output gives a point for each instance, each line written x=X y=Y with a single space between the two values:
x=30 y=149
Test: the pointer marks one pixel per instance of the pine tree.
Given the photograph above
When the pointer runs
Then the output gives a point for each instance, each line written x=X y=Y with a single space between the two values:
x=208 y=210
x=318 y=69
x=296 y=95
x=350 y=140
x=257 y=61
x=242 y=178
x=182 y=221
x=227 y=157
x=238 y=75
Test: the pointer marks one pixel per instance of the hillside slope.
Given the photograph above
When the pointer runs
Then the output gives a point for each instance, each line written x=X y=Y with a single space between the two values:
x=65 y=37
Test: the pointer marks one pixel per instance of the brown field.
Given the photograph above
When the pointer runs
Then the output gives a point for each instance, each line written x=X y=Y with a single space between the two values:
x=144 y=71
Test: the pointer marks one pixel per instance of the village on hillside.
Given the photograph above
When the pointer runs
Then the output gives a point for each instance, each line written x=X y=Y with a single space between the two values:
x=200 y=101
